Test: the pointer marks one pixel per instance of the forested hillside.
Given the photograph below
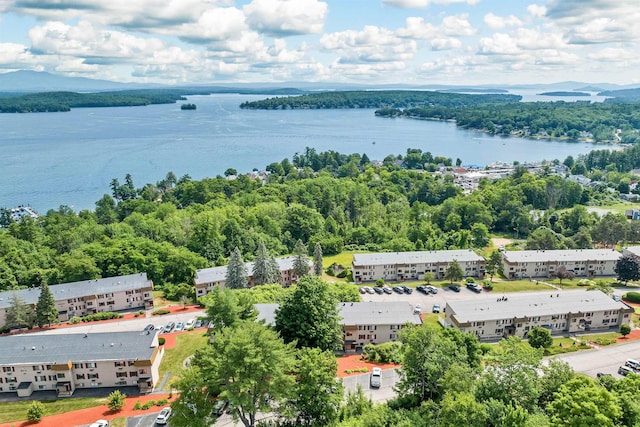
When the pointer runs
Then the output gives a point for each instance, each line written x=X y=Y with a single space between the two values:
x=171 y=228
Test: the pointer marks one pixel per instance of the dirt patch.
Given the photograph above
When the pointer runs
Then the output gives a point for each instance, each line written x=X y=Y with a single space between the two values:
x=89 y=415
x=355 y=362
x=500 y=241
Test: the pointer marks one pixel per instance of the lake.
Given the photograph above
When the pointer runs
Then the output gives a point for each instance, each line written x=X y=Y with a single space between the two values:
x=53 y=159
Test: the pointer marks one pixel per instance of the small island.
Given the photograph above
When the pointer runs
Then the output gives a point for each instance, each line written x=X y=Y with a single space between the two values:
x=564 y=93
x=188 y=107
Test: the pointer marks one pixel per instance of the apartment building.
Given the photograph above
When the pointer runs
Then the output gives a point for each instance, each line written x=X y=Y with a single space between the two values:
x=563 y=312
x=631 y=250
x=206 y=278
x=362 y=322
x=66 y=362
x=545 y=263
x=402 y=266
x=130 y=292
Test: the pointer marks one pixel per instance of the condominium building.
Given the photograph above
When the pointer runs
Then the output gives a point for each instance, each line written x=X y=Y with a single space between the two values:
x=545 y=263
x=362 y=322
x=492 y=318
x=65 y=362
x=401 y=266
x=207 y=278
x=89 y=296
x=631 y=250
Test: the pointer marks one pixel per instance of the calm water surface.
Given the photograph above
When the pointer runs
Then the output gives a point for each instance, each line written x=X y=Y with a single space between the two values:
x=51 y=159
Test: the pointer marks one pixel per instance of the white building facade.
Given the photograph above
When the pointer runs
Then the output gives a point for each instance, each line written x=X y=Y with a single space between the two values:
x=545 y=263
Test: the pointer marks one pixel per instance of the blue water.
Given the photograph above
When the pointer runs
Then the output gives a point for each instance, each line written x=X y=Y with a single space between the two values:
x=53 y=159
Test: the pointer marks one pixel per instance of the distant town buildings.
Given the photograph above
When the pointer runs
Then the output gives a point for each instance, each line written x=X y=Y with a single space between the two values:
x=492 y=318
x=66 y=362
x=401 y=266
x=89 y=296
x=545 y=263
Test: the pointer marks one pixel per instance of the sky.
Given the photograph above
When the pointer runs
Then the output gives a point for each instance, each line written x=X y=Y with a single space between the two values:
x=419 y=42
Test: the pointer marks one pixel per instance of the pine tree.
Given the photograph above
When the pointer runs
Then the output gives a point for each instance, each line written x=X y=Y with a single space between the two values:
x=46 y=311
x=275 y=275
x=236 y=271
x=19 y=313
x=301 y=261
x=261 y=266
x=317 y=259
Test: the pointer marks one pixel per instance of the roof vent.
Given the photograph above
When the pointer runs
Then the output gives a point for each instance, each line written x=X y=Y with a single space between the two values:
x=112 y=344
x=33 y=348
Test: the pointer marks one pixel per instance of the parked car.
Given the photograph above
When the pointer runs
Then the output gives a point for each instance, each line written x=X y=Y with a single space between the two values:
x=189 y=323
x=406 y=289
x=378 y=290
x=160 y=329
x=435 y=308
x=220 y=406
x=398 y=289
x=363 y=290
x=149 y=328
x=417 y=309
x=387 y=290
x=602 y=374
x=454 y=288
x=163 y=416
x=474 y=287
x=422 y=289
x=179 y=327
x=369 y=290
x=625 y=370
x=375 y=381
x=198 y=324
x=169 y=327
x=100 y=423
x=633 y=364
x=616 y=297
x=431 y=289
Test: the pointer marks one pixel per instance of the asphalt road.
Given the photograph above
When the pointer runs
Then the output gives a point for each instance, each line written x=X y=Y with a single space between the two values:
x=604 y=359
x=148 y=420
x=389 y=379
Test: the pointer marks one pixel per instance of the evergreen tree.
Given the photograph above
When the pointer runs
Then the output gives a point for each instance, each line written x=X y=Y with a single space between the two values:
x=236 y=271
x=301 y=261
x=317 y=259
x=261 y=266
x=19 y=313
x=273 y=270
x=46 y=311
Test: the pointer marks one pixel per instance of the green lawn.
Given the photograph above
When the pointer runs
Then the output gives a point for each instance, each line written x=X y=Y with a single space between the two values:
x=186 y=345
x=118 y=422
x=601 y=339
x=430 y=318
x=16 y=411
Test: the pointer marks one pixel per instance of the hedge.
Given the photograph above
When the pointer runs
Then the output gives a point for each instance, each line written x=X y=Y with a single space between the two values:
x=632 y=297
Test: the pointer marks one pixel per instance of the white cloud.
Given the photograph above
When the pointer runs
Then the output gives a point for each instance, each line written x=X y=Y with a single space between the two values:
x=372 y=44
x=15 y=55
x=454 y=26
x=499 y=44
x=498 y=22
x=286 y=17
x=445 y=43
x=537 y=11
x=421 y=4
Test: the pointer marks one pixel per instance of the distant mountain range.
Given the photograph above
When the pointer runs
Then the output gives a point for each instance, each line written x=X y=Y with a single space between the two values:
x=34 y=81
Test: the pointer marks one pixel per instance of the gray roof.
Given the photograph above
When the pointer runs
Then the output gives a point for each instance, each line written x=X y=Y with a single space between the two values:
x=634 y=250
x=219 y=274
x=80 y=289
x=358 y=313
x=378 y=313
x=567 y=255
x=62 y=348
x=532 y=304
x=419 y=257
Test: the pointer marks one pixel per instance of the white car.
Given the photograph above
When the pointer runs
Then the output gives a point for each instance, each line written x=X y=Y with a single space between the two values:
x=375 y=381
x=189 y=323
x=163 y=416
x=100 y=423
x=417 y=309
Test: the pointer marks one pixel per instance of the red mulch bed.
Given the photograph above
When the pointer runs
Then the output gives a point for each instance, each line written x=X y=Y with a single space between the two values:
x=89 y=415
x=355 y=362
x=634 y=335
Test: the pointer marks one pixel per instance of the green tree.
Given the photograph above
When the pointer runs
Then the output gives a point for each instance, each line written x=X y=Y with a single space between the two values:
x=195 y=405
x=555 y=374
x=106 y=210
x=317 y=259
x=19 y=313
x=116 y=400
x=493 y=264
x=544 y=238
x=317 y=396
x=562 y=273
x=236 y=271
x=309 y=316
x=251 y=365
x=260 y=272
x=356 y=404
x=46 y=311
x=301 y=259
x=462 y=409
x=225 y=307
x=582 y=402
x=35 y=411
x=625 y=329
x=454 y=272
x=539 y=337
x=602 y=286
x=627 y=268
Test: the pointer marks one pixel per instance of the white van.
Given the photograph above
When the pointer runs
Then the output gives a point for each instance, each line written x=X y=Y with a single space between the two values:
x=633 y=364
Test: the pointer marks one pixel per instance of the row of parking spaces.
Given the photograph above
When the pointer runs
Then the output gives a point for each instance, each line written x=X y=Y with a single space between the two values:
x=426 y=289
x=179 y=326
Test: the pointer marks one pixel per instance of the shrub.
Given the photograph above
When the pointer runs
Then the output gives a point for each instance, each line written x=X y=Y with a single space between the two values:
x=137 y=406
x=148 y=404
x=161 y=312
x=487 y=285
x=625 y=329
x=330 y=271
x=351 y=371
x=75 y=320
x=380 y=282
x=586 y=282
x=161 y=341
x=101 y=316
x=35 y=411
x=344 y=273
x=162 y=402
x=388 y=352
x=604 y=341
x=116 y=400
x=632 y=297
x=470 y=280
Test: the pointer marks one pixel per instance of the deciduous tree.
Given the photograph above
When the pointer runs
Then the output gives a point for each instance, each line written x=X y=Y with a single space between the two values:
x=493 y=264
x=582 y=402
x=627 y=268
x=540 y=337
x=195 y=404
x=454 y=272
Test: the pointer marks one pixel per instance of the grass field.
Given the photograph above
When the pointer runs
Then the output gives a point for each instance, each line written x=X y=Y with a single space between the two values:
x=186 y=345
x=602 y=339
x=118 y=422
x=15 y=411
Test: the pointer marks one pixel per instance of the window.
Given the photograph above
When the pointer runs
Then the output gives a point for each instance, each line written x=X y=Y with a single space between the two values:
x=361 y=336
x=38 y=368
x=80 y=376
x=131 y=363
x=133 y=373
x=10 y=380
x=499 y=331
x=121 y=374
x=92 y=376
x=120 y=363
x=60 y=375
x=43 y=377
x=77 y=366
x=8 y=369
x=111 y=302
x=91 y=365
